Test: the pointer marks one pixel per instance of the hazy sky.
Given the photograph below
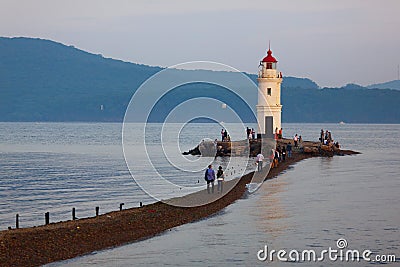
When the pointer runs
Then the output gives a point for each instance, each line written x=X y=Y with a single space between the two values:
x=331 y=42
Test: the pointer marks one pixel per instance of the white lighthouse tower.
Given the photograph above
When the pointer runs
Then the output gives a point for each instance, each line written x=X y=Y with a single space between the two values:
x=269 y=106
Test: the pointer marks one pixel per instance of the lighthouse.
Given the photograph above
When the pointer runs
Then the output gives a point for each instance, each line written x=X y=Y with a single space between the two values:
x=269 y=106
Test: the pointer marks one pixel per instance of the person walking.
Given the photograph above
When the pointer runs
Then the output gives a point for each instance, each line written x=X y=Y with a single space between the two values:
x=271 y=158
x=321 y=136
x=295 y=139
x=289 y=150
x=210 y=178
x=220 y=179
x=283 y=153
x=253 y=133
x=278 y=149
x=248 y=132
x=222 y=135
x=276 y=158
x=259 y=161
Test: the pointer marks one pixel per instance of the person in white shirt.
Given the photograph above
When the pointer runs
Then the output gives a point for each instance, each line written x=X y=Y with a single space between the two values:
x=259 y=161
x=295 y=139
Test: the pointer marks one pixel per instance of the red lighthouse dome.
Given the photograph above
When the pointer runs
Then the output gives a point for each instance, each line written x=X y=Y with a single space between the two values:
x=269 y=58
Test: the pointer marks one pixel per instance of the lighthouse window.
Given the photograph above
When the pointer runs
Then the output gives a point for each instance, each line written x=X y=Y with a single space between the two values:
x=269 y=91
x=269 y=65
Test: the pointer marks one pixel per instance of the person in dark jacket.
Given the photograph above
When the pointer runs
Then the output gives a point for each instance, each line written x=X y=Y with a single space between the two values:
x=210 y=178
x=289 y=150
x=220 y=179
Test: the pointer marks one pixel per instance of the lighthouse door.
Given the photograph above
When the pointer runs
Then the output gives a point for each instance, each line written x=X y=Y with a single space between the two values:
x=269 y=126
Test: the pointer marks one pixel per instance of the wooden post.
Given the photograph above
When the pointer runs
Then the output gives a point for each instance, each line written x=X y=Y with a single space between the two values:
x=120 y=206
x=17 y=221
x=141 y=204
x=47 y=218
x=97 y=211
x=73 y=214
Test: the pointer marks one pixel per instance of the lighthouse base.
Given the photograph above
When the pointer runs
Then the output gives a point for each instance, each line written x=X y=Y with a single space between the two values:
x=268 y=118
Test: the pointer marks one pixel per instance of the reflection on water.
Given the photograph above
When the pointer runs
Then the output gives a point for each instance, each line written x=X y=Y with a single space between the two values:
x=270 y=210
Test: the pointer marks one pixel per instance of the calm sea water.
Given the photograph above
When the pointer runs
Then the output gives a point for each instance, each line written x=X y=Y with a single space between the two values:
x=57 y=166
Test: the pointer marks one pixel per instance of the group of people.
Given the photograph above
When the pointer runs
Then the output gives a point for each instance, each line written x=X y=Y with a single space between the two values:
x=280 y=153
x=225 y=136
x=325 y=136
x=209 y=176
x=277 y=155
x=297 y=139
x=326 y=139
x=250 y=133
x=278 y=133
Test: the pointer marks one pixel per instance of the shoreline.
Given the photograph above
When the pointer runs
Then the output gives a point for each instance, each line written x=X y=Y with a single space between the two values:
x=40 y=245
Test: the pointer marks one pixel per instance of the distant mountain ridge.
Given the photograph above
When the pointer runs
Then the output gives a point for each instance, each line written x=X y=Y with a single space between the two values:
x=45 y=80
x=395 y=84
x=42 y=80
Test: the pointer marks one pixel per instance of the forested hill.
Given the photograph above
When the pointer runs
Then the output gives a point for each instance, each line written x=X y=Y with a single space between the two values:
x=41 y=80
